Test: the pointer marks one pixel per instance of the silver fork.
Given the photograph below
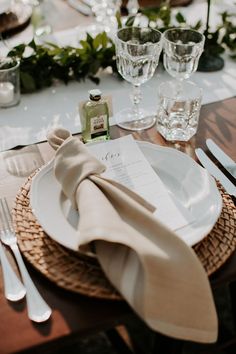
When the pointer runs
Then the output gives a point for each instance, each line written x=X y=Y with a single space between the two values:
x=38 y=310
x=13 y=288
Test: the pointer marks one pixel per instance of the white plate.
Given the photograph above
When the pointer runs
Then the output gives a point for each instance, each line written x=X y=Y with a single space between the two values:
x=188 y=183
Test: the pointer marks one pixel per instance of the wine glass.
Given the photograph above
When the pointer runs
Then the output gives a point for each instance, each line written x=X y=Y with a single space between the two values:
x=180 y=99
x=182 y=48
x=137 y=56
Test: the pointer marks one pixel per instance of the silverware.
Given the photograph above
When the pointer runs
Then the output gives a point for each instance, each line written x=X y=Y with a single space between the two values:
x=82 y=8
x=226 y=161
x=38 y=310
x=216 y=172
x=13 y=288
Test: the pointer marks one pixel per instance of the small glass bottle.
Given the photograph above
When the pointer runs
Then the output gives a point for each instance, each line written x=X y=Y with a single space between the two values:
x=95 y=118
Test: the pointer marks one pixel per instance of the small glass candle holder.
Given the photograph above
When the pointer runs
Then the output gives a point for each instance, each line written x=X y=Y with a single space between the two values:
x=9 y=82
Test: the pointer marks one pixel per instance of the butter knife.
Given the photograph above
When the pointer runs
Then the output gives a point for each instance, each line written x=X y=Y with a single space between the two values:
x=216 y=172
x=226 y=161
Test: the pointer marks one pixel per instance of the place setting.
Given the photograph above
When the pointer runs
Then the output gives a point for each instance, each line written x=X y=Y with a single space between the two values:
x=211 y=209
x=188 y=193
x=109 y=213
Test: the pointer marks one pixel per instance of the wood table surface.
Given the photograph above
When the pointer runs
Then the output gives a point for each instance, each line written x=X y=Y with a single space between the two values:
x=77 y=315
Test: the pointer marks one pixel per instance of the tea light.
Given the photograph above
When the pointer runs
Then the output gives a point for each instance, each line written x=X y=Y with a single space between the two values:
x=6 y=92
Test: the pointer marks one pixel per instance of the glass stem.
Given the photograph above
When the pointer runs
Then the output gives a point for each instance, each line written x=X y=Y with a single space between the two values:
x=179 y=88
x=136 y=98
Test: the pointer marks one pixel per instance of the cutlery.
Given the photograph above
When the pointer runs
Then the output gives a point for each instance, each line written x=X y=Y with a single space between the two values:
x=38 y=310
x=13 y=288
x=226 y=161
x=82 y=8
x=215 y=171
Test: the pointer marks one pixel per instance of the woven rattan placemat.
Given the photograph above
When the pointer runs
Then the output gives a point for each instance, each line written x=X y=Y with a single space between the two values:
x=82 y=274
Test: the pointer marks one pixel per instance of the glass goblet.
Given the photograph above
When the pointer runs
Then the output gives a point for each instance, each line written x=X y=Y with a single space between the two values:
x=180 y=99
x=182 y=48
x=137 y=56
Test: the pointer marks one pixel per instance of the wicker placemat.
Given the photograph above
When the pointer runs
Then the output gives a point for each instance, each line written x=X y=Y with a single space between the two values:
x=82 y=274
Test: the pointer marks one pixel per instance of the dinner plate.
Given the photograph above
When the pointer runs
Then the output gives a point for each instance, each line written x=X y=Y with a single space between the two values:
x=189 y=185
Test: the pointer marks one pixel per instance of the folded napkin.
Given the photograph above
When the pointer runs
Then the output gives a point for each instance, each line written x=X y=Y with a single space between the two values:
x=155 y=271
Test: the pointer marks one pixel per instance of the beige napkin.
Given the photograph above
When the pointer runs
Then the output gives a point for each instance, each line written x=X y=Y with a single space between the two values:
x=157 y=273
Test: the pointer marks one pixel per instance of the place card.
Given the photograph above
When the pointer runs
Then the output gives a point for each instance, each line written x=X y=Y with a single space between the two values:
x=127 y=164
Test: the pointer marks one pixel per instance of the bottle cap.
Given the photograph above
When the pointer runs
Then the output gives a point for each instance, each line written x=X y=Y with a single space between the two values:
x=95 y=95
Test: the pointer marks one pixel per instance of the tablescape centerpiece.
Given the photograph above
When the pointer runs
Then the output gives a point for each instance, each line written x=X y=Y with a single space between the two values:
x=50 y=62
x=132 y=246
x=137 y=55
x=180 y=100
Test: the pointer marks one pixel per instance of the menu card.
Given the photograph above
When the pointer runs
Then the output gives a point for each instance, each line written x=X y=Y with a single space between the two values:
x=127 y=165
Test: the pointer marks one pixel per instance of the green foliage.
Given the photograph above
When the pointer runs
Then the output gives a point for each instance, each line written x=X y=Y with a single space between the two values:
x=228 y=32
x=161 y=14
x=48 y=62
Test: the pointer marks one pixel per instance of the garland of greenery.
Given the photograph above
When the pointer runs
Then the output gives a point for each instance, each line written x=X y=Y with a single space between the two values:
x=48 y=62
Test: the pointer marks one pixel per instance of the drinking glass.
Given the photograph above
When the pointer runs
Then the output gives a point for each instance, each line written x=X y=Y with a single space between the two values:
x=137 y=56
x=42 y=11
x=182 y=48
x=9 y=82
x=180 y=100
x=178 y=115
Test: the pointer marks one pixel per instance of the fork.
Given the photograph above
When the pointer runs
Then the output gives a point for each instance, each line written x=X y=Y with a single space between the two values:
x=13 y=288
x=38 y=310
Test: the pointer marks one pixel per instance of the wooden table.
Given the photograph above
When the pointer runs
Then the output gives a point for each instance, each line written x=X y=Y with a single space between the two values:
x=76 y=315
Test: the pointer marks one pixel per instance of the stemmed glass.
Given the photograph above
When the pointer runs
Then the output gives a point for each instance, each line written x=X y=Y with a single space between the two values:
x=180 y=99
x=182 y=48
x=137 y=56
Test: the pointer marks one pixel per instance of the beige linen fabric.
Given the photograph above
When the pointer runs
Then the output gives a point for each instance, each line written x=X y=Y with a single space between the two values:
x=157 y=273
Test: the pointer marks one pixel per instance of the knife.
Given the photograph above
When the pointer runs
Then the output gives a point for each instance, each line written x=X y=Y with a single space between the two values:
x=216 y=172
x=226 y=161
x=82 y=8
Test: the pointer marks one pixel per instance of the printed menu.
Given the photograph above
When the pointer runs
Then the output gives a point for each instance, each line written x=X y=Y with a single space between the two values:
x=126 y=164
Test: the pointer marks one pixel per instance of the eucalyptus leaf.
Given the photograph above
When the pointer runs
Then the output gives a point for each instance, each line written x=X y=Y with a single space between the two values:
x=180 y=18
x=27 y=82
